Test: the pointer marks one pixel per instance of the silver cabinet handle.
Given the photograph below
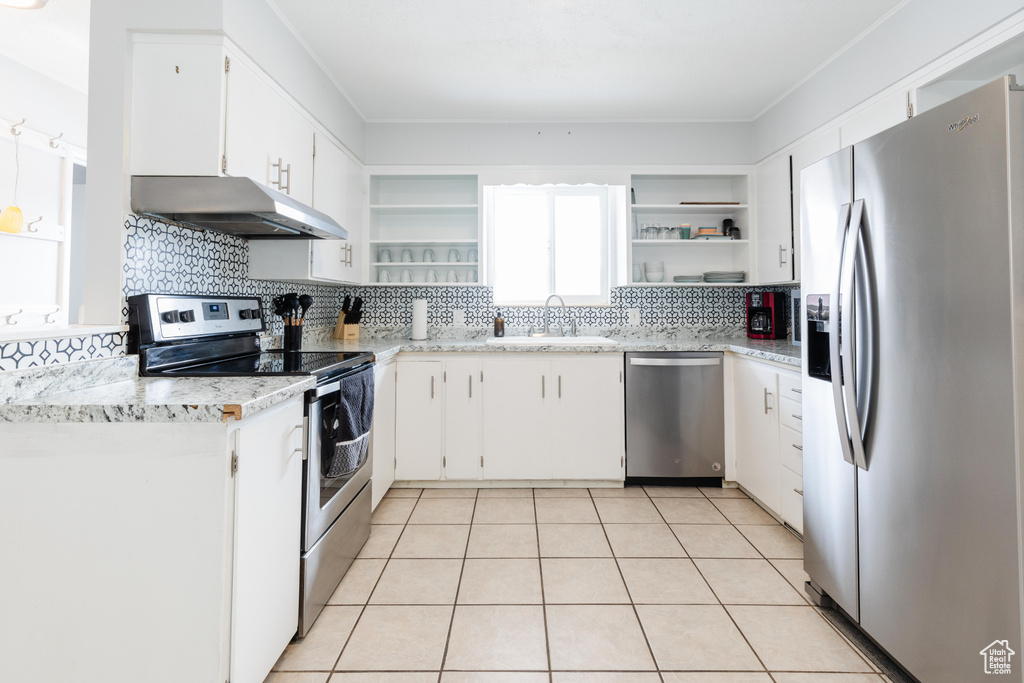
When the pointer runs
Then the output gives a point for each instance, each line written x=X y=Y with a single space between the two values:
x=675 y=361
x=431 y=386
x=302 y=446
x=471 y=386
x=559 y=386
x=797 y=391
x=798 y=417
x=798 y=447
x=542 y=385
x=782 y=255
x=766 y=406
x=800 y=491
x=287 y=187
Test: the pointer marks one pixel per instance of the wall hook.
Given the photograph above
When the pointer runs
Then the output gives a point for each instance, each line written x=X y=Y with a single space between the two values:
x=14 y=128
x=9 y=319
x=30 y=228
x=47 y=321
x=53 y=141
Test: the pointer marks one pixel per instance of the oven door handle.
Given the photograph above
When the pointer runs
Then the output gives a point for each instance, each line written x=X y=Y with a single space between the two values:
x=327 y=389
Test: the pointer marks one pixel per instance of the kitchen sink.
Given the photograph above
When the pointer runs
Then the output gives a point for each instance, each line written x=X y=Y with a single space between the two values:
x=552 y=341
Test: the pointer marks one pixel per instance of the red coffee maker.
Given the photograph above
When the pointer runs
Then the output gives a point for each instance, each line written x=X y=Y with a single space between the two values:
x=766 y=315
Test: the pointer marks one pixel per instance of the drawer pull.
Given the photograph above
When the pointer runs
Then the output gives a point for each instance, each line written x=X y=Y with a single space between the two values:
x=800 y=491
x=798 y=447
x=798 y=391
x=798 y=417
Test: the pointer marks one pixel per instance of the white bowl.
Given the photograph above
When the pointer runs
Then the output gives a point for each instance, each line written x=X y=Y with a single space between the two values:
x=656 y=277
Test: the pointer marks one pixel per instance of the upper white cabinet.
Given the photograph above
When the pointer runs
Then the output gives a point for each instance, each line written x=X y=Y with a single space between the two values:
x=431 y=220
x=808 y=152
x=694 y=200
x=774 y=222
x=876 y=118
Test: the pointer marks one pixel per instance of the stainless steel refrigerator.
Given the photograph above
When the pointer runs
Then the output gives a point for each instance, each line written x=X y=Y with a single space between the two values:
x=913 y=381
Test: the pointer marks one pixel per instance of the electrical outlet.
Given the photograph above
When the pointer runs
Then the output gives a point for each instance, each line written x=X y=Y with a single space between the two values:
x=633 y=317
x=459 y=318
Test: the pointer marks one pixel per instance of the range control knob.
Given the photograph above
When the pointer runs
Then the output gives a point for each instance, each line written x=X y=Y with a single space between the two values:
x=169 y=317
x=244 y=314
x=187 y=316
x=254 y=313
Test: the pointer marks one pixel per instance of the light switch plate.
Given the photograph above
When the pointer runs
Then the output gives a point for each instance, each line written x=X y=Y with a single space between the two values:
x=459 y=318
x=633 y=317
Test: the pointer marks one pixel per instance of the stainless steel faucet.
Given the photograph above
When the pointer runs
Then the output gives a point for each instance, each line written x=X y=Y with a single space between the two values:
x=547 y=319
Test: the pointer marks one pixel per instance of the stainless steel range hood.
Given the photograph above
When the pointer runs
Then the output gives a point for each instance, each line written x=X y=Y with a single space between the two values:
x=238 y=206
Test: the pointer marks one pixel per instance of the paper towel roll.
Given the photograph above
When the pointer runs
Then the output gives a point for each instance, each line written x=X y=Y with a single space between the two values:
x=419 y=318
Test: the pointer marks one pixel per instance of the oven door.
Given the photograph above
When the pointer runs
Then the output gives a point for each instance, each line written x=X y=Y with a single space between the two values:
x=326 y=497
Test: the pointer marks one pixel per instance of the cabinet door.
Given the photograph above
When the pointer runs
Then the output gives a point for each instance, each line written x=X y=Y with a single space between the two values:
x=337 y=183
x=774 y=222
x=517 y=436
x=382 y=434
x=418 y=420
x=757 y=431
x=588 y=418
x=815 y=149
x=293 y=136
x=462 y=418
x=268 y=508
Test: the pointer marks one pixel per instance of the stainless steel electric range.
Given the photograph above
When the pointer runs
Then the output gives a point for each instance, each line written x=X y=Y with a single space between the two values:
x=218 y=336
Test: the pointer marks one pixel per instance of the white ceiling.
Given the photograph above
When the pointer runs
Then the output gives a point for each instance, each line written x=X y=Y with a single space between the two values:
x=53 y=40
x=574 y=60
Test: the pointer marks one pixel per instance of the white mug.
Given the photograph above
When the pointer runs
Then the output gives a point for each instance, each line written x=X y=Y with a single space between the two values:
x=472 y=257
x=453 y=276
x=385 y=256
x=431 y=275
x=453 y=256
x=406 y=275
x=472 y=275
x=384 y=276
x=407 y=256
x=428 y=255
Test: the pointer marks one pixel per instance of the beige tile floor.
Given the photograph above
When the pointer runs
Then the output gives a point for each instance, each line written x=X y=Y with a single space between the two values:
x=635 y=585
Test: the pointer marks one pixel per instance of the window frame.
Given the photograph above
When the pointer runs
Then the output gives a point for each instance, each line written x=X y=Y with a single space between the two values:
x=550 y=192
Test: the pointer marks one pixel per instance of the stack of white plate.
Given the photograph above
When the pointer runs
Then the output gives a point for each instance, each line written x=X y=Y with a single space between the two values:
x=687 y=278
x=725 y=276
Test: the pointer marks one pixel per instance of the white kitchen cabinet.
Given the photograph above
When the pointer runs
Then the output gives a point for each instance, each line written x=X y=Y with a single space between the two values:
x=791 y=496
x=382 y=433
x=588 y=418
x=774 y=211
x=883 y=114
x=462 y=434
x=268 y=519
x=802 y=156
x=419 y=415
x=757 y=430
x=516 y=418
x=171 y=551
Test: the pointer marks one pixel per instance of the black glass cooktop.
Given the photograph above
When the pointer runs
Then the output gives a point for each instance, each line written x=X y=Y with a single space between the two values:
x=276 y=362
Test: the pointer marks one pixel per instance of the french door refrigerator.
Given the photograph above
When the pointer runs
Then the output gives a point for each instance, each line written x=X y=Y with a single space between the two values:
x=913 y=286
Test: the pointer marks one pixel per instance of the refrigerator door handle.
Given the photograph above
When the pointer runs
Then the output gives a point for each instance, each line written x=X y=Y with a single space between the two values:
x=837 y=317
x=847 y=330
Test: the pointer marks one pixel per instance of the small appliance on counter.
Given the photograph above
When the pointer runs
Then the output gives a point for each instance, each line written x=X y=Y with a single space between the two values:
x=766 y=315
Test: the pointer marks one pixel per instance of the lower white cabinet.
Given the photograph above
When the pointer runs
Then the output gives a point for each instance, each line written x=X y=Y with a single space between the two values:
x=510 y=417
x=382 y=433
x=419 y=413
x=147 y=536
x=768 y=416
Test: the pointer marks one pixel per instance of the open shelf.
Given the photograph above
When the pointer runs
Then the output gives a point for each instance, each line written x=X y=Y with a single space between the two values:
x=685 y=243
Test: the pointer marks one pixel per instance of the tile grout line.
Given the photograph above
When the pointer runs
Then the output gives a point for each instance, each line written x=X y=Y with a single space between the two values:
x=458 y=588
x=543 y=597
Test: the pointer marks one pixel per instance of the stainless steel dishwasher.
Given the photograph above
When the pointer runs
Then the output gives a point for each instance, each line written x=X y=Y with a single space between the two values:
x=675 y=415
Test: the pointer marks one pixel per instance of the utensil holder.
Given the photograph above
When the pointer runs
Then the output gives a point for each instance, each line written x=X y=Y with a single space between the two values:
x=292 y=338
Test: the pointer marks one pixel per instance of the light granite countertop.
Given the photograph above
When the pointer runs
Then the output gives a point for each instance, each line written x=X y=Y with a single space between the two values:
x=110 y=390
x=778 y=351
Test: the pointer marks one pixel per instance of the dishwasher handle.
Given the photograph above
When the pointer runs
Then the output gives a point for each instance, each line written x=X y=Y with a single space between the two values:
x=675 y=361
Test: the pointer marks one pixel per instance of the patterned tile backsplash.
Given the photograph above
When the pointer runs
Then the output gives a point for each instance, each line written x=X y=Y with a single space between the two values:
x=175 y=260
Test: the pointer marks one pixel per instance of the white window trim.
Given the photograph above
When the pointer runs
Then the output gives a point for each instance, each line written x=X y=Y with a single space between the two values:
x=550 y=191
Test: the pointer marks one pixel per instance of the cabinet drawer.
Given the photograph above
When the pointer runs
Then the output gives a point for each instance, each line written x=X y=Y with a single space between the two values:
x=791 y=414
x=791 y=447
x=789 y=386
x=792 y=499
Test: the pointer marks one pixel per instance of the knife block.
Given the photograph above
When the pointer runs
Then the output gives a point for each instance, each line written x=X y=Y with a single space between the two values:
x=346 y=332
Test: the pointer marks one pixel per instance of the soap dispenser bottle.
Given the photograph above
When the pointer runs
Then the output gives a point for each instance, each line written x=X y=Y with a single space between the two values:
x=499 y=326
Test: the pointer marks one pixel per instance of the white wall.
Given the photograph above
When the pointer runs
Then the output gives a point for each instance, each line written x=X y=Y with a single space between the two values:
x=916 y=34
x=50 y=106
x=547 y=144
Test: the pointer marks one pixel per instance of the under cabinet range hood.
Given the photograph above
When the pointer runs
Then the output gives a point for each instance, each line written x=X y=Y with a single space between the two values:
x=237 y=206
